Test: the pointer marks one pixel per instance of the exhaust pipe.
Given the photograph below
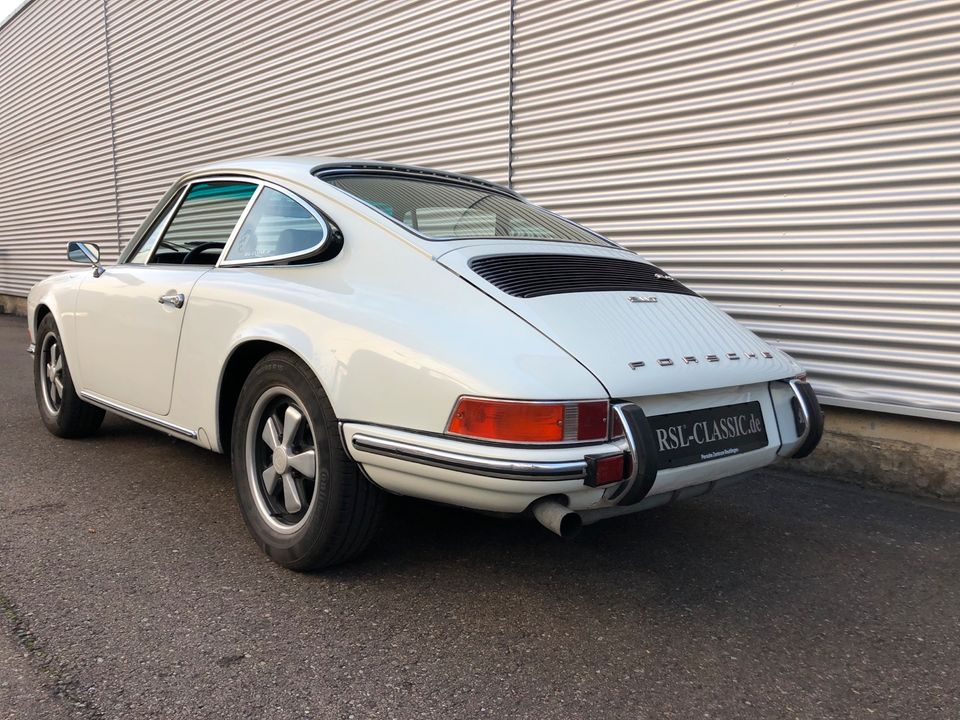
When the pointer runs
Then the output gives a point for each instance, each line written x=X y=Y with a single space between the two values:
x=556 y=517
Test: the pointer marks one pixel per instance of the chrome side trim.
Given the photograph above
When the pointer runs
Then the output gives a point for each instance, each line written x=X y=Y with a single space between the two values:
x=32 y=348
x=137 y=414
x=472 y=464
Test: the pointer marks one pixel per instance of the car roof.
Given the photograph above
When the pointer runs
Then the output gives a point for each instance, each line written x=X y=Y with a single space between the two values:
x=296 y=166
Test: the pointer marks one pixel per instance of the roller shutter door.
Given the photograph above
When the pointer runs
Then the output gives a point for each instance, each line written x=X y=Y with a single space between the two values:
x=796 y=162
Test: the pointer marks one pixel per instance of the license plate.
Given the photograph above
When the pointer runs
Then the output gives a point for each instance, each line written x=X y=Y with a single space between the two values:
x=695 y=436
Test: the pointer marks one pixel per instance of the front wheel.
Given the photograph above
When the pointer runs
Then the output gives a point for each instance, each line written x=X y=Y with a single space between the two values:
x=61 y=409
x=303 y=499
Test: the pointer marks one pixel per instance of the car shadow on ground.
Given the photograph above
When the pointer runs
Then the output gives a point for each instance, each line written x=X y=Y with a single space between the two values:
x=733 y=546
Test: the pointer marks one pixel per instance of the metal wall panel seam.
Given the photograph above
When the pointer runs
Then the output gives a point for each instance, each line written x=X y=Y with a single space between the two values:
x=113 y=133
x=511 y=86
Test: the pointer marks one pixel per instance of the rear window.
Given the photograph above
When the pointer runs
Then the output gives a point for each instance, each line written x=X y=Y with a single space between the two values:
x=449 y=211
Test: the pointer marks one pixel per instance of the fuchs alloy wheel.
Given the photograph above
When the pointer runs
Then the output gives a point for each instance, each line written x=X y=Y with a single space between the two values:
x=303 y=499
x=281 y=454
x=51 y=373
x=61 y=409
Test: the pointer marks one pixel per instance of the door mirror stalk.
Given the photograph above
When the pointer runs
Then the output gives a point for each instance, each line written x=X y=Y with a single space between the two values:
x=86 y=253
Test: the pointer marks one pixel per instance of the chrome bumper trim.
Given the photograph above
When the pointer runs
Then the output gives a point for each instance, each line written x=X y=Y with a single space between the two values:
x=471 y=464
x=803 y=407
x=638 y=438
x=812 y=418
x=32 y=348
x=95 y=399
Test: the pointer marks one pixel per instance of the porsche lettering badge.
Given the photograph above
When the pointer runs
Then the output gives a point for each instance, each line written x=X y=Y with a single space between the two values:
x=692 y=359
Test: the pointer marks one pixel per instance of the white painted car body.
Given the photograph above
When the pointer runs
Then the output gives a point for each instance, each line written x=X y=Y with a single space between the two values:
x=397 y=328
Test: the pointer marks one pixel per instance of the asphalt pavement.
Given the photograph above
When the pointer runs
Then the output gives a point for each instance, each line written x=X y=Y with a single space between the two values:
x=130 y=589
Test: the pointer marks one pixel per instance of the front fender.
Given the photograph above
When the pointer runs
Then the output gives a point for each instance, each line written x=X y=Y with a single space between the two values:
x=58 y=295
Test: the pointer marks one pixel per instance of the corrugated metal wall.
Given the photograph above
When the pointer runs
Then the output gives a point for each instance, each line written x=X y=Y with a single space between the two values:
x=56 y=170
x=416 y=82
x=797 y=162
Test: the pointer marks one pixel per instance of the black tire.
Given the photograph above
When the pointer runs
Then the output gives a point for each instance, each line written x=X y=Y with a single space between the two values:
x=62 y=410
x=343 y=508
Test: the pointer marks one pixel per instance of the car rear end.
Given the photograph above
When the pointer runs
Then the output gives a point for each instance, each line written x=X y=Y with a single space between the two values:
x=693 y=397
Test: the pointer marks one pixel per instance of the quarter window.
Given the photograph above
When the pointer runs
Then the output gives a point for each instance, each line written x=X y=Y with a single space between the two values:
x=277 y=226
x=203 y=223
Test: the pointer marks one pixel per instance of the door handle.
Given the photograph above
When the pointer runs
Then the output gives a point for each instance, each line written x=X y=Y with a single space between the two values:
x=175 y=300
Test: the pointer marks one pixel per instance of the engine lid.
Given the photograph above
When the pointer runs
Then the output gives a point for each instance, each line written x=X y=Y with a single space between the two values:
x=643 y=333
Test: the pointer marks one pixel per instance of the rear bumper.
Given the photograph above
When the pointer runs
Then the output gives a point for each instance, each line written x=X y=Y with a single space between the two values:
x=473 y=475
x=459 y=460
x=808 y=418
x=508 y=479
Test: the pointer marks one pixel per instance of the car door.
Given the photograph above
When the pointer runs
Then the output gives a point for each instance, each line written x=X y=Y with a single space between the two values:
x=128 y=319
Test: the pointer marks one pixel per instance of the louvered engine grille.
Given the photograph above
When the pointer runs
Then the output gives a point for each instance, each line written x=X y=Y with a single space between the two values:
x=529 y=276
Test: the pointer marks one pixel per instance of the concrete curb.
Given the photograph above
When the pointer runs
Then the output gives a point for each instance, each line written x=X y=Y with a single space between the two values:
x=905 y=454
x=13 y=305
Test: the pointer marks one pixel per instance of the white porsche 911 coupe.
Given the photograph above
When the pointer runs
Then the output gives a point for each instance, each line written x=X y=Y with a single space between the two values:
x=344 y=328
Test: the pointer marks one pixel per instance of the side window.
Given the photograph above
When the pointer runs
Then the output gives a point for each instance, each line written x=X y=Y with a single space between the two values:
x=203 y=223
x=276 y=226
x=149 y=241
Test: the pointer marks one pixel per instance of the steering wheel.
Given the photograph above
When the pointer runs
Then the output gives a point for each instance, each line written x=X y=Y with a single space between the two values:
x=199 y=250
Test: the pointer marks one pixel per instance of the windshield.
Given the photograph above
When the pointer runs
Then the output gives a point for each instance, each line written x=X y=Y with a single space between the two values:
x=449 y=211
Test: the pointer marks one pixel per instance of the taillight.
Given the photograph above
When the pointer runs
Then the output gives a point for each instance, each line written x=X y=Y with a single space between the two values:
x=530 y=422
x=616 y=427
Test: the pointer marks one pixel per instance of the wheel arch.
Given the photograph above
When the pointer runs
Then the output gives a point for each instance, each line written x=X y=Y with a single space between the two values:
x=53 y=298
x=241 y=361
x=40 y=312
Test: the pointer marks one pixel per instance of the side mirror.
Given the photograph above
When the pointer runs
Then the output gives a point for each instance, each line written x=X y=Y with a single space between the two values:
x=87 y=254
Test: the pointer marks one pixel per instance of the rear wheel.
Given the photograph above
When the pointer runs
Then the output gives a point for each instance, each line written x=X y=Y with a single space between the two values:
x=61 y=409
x=303 y=499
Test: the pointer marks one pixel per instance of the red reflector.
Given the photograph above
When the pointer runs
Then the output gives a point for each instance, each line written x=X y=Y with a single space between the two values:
x=604 y=471
x=592 y=420
x=507 y=420
x=616 y=427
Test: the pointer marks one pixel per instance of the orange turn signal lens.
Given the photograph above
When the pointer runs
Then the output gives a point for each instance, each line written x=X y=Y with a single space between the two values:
x=529 y=422
x=507 y=420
